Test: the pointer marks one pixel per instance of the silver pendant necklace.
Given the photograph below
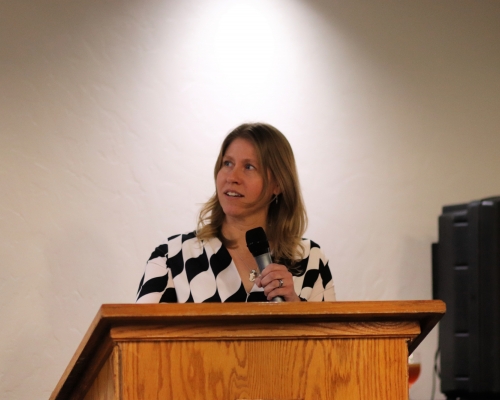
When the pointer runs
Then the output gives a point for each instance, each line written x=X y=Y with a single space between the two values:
x=253 y=274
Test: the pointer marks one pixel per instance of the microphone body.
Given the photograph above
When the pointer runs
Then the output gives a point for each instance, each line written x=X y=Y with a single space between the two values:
x=259 y=247
x=263 y=261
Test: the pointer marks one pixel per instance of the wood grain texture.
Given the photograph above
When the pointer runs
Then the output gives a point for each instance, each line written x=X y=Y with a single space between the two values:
x=240 y=331
x=115 y=325
x=106 y=386
x=206 y=311
x=426 y=312
x=266 y=369
x=89 y=368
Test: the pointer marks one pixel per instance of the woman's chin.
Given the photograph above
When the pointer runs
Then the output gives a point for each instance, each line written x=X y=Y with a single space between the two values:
x=234 y=214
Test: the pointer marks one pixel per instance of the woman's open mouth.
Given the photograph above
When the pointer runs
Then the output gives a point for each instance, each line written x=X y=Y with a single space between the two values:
x=233 y=194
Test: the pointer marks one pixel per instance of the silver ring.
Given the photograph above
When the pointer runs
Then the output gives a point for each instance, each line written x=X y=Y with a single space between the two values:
x=281 y=283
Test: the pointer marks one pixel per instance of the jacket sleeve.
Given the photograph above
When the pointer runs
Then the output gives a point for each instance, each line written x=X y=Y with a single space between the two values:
x=316 y=284
x=157 y=285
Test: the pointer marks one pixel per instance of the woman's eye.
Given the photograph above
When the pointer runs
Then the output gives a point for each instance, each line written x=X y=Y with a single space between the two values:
x=226 y=163
x=249 y=166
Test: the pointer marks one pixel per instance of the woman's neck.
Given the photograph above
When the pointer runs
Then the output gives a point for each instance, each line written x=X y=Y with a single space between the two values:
x=235 y=231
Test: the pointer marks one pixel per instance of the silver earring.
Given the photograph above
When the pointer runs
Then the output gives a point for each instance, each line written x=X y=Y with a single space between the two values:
x=276 y=199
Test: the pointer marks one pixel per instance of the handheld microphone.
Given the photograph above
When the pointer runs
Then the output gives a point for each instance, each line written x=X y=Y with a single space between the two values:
x=259 y=247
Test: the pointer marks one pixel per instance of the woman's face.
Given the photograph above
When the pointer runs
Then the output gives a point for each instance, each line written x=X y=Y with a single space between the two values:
x=240 y=183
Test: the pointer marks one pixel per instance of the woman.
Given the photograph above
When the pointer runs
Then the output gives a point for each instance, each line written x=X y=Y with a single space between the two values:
x=256 y=186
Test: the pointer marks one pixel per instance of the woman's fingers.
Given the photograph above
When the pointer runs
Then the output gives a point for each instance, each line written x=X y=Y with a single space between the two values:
x=277 y=281
x=270 y=273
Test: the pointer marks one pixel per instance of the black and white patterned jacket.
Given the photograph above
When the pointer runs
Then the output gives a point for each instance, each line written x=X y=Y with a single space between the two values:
x=186 y=269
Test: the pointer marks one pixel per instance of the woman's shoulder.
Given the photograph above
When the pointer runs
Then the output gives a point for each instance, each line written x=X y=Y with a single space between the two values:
x=309 y=246
x=182 y=237
x=172 y=242
x=310 y=257
x=310 y=242
x=186 y=240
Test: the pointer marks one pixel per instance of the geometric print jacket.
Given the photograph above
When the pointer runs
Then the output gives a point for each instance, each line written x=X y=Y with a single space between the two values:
x=187 y=270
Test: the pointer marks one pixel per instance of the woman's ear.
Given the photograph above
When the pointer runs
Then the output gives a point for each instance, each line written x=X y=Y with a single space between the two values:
x=277 y=190
x=276 y=187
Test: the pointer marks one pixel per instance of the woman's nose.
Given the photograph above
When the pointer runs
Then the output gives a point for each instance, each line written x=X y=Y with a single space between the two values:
x=234 y=175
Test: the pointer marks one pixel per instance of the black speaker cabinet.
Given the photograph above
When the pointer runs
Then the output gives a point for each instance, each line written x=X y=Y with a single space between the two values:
x=466 y=276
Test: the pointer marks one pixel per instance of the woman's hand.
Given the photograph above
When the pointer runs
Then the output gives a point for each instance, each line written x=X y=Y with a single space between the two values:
x=277 y=281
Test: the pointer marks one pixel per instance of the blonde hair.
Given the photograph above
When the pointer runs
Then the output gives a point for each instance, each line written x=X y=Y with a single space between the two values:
x=286 y=217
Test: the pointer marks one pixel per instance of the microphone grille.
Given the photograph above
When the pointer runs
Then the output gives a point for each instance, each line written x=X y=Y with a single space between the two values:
x=257 y=241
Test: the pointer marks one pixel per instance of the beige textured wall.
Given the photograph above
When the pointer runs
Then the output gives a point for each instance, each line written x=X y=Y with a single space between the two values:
x=111 y=114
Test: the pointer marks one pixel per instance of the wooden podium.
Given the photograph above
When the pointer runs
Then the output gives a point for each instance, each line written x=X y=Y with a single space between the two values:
x=286 y=351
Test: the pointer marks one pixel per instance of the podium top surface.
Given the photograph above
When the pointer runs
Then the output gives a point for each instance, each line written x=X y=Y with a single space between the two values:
x=351 y=310
x=425 y=313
